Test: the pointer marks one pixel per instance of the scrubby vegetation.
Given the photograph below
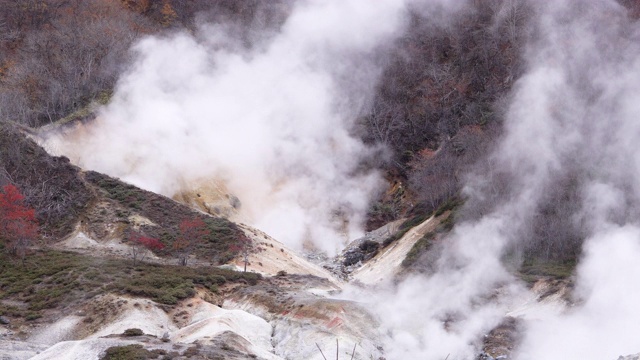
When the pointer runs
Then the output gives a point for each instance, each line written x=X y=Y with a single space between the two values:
x=167 y=216
x=440 y=108
x=63 y=197
x=532 y=269
x=420 y=247
x=446 y=214
x=434 y=107
x=131 y=352
x=437 y=107
x=18 y=225
x=53 y=279
x=133 y=332
x=421 y=215
x=51 y=185
x=426 y=242
x=57 y=57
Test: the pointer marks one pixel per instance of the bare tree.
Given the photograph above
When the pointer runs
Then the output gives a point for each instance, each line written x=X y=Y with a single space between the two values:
x=192 y=232
x=141 y=246
x=246 y=247
x=61 y=69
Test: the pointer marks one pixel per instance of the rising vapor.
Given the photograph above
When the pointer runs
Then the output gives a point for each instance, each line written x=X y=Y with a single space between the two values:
x=272 y=120
x=590 y=54
x=572 y=115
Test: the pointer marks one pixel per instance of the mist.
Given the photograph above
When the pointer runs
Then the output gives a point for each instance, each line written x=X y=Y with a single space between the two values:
x=590 y=54
x=273 y=121
x=269 y=117
x=572 y=115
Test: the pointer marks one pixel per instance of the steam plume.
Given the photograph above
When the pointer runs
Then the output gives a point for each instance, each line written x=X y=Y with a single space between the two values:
x=272 y=120
x=590 y=53
x=573 y=115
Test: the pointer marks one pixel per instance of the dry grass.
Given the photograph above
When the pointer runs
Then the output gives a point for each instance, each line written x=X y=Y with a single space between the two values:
x=55 y=279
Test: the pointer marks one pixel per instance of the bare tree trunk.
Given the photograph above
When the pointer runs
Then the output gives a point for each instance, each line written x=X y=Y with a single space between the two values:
x=321 y=353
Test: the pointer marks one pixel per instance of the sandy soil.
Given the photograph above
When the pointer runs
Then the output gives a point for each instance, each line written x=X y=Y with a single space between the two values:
x=81 y=242
x=387 y=263
x=79 y=350
x=545 y=300
x=19 y=350
x=283 y=317
x=275 y=257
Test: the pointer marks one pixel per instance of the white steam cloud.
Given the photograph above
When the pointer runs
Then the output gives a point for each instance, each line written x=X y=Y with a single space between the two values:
x=273 y=121
x=589 y=52
x=574 y=113
x=274 y=124
x=445 y=315
x=604 y=325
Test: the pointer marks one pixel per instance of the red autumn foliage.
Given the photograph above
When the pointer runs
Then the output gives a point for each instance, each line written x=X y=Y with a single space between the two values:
x=18 y=224
x=151 y=243
x=140 y=242
x=192 y=232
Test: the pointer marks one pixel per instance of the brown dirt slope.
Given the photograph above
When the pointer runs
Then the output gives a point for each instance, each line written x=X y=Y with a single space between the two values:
x=65 y=197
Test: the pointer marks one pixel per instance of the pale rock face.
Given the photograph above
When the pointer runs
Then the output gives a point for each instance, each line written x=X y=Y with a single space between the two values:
x=304 y=318
x=387 y=263
x=79 y=350
x=630 y=357
x=271 y=336
x=142 y=314
x=271 y=257
x=295 y=315
x=209 y=321
x=210 y=196
x=61 y=330
x=19 y=350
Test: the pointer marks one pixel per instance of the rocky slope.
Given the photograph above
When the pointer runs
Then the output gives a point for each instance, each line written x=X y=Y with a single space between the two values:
x=86 y=300
x=285 y=316
x=67 y=198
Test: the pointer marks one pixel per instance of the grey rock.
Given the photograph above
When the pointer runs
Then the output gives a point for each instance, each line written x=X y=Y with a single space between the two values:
x=630 y=357
x=166 y=337
x=19 y=350
x=363 y=252
x=484 y=356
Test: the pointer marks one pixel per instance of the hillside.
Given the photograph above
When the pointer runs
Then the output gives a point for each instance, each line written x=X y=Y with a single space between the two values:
x=67 y=199
x=398 y=179
x=58 y=57
x=435 y=104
